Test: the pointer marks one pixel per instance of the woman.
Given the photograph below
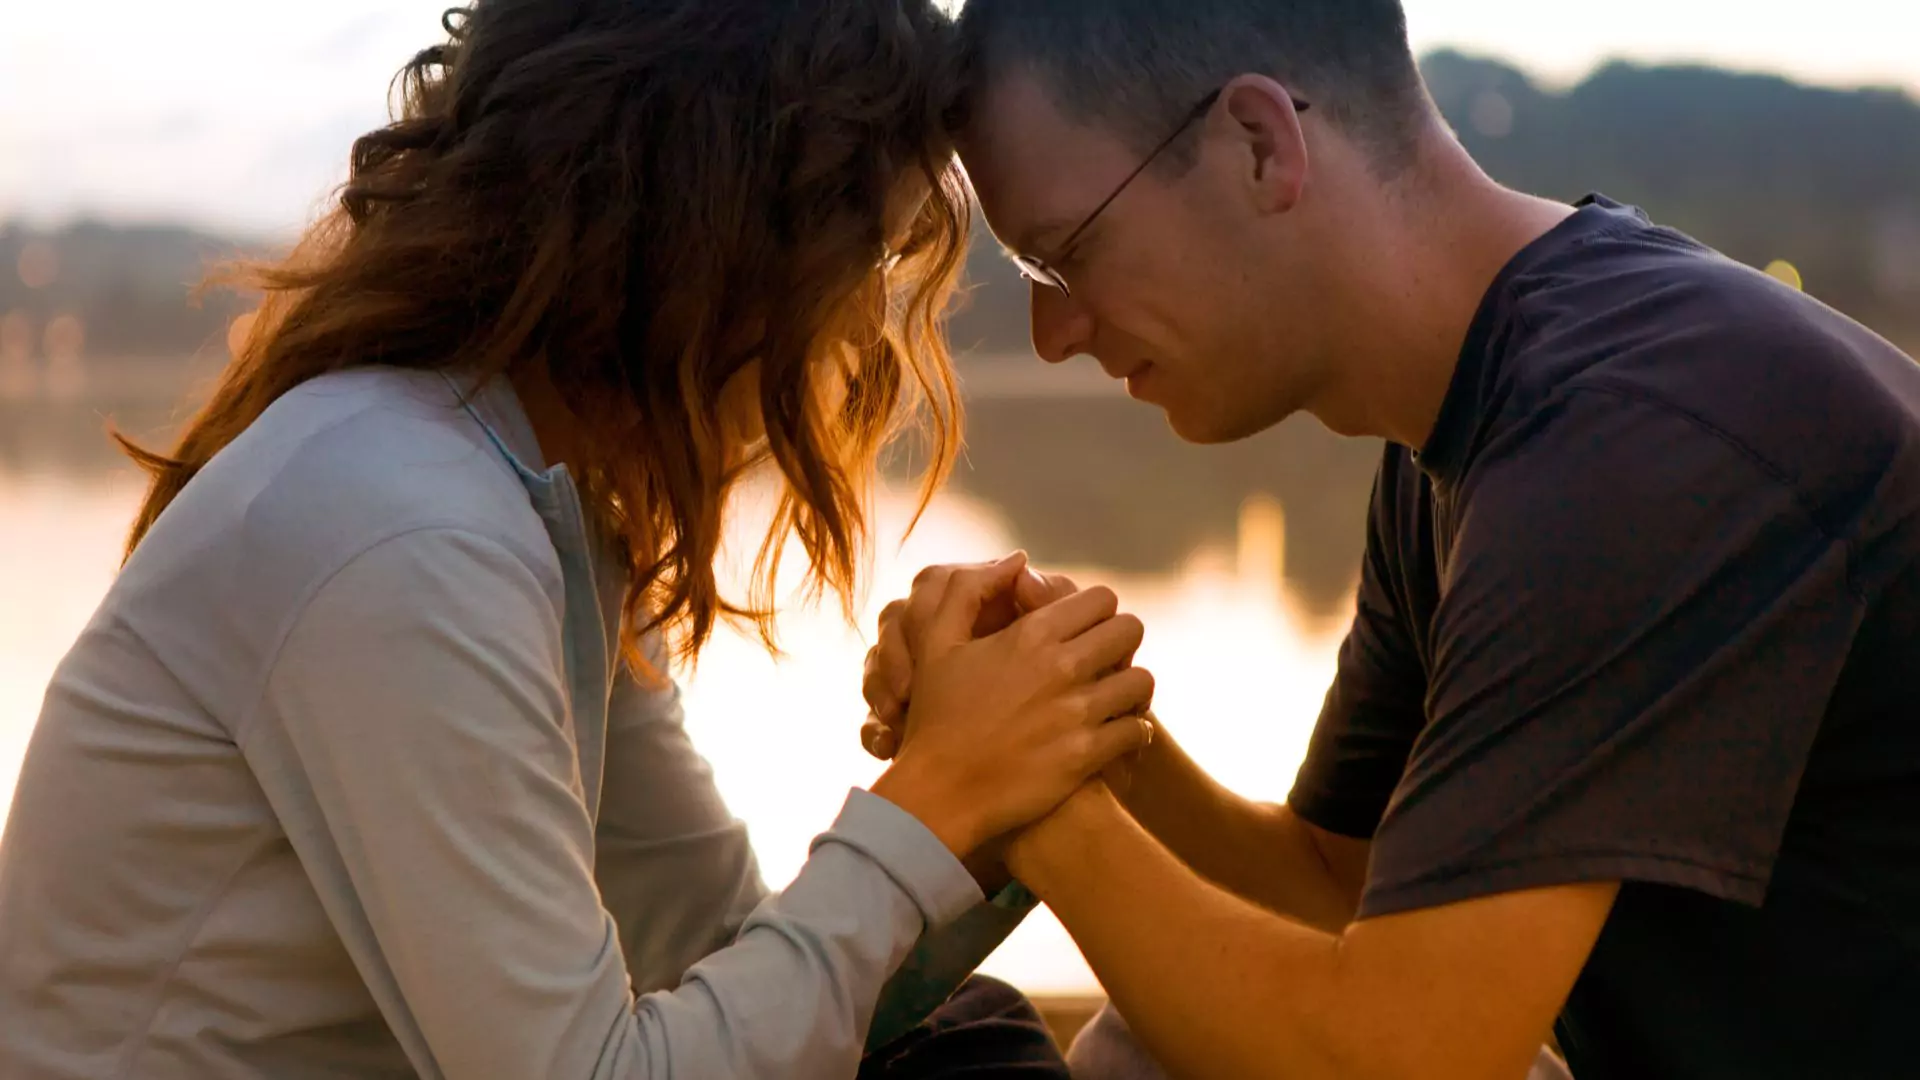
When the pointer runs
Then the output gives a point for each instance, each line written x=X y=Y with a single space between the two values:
x=368 y=765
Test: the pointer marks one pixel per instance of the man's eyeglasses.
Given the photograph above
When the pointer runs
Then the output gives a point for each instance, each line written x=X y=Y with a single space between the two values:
x=1035 y=269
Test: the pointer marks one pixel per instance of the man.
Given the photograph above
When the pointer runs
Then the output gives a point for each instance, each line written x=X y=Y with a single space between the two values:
x=1625 y=738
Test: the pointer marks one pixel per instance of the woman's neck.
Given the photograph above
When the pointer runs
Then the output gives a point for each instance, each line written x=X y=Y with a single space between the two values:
x=553 y=423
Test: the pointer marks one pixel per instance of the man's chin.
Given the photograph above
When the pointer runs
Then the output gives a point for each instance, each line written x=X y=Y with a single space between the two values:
x=1202 y=427
x=1196 y=427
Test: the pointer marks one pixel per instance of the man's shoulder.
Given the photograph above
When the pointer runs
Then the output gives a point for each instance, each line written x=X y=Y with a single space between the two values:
x=1817 y=398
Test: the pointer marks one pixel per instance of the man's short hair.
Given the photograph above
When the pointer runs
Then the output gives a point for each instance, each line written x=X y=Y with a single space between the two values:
x=1137 y=67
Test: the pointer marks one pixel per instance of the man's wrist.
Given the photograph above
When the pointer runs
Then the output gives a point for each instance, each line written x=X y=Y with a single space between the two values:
x=1054 y=843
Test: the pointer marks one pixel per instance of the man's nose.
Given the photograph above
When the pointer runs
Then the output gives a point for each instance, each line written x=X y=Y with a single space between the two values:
x=1062 y=327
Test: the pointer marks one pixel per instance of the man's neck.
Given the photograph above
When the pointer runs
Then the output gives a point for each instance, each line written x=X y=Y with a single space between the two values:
x=1439 y=245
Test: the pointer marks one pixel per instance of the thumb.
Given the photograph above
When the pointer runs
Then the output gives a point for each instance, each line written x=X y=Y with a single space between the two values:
x=967 y=592
x=1034 y=590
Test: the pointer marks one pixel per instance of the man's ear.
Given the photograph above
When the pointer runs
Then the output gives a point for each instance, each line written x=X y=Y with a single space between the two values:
x=1270 y=147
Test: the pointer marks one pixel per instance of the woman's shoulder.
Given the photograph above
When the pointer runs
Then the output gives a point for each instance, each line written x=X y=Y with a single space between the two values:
x=336 y=468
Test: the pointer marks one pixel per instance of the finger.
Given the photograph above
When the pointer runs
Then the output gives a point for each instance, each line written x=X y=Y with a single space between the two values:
x=968 y=589
x=893 y=614
x=887 y=678
x=1114 y=740
x=1068 y=618
x=873 y=684
x=1124 y=692
x=880 y=685
x=928 y=587
x=998 y=613
x=1034 y=590
x=896 y=663
x=1107 y=647
x=880 y=740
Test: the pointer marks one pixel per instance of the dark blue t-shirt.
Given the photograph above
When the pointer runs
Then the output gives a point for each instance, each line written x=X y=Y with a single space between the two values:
x=1646 y=608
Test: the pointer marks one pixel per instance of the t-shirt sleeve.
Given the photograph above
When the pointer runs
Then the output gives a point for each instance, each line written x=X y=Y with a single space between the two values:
x=1375 y=709
x=1640 y=628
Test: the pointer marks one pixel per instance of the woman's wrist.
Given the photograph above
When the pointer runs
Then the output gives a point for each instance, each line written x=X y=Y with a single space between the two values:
x=935 y=804
x=988 y=865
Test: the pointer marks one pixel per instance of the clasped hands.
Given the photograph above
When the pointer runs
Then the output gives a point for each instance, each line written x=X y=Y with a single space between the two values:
x=997 y=692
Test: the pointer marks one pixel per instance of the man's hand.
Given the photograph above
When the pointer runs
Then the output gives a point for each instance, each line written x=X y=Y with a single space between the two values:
x=888 y=679
x=1002 y=728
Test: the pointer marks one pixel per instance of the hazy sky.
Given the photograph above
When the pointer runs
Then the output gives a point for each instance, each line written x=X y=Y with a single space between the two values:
x=238 y=113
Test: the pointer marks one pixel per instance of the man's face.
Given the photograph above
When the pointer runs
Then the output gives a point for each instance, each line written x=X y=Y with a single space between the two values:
x=1174 y=286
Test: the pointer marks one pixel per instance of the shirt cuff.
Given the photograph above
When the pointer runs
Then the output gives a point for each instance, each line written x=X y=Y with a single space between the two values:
x=910 y=854
x=1015 y=897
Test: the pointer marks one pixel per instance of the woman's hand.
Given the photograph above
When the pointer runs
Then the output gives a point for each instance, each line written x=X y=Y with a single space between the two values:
x=888 y=680
x=1000 y=730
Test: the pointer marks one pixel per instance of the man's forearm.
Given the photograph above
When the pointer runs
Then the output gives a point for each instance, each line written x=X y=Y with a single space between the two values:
x=1208 y=983
x=1260 y=852
x=1214 y=986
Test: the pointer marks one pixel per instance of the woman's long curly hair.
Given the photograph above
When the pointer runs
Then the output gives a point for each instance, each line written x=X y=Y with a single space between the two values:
x=650 y=199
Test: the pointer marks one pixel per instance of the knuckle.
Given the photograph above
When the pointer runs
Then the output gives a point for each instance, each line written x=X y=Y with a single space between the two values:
x=1090 y=748
x=930 y=577
x=1079 y=707
x=1135 y=630
x=959 y=583
x=1063 y=667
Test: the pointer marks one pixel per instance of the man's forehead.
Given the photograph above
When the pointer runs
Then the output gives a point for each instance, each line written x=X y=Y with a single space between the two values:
x=1033 y=168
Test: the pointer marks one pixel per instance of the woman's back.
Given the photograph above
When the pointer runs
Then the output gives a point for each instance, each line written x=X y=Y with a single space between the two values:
x=156 y=916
